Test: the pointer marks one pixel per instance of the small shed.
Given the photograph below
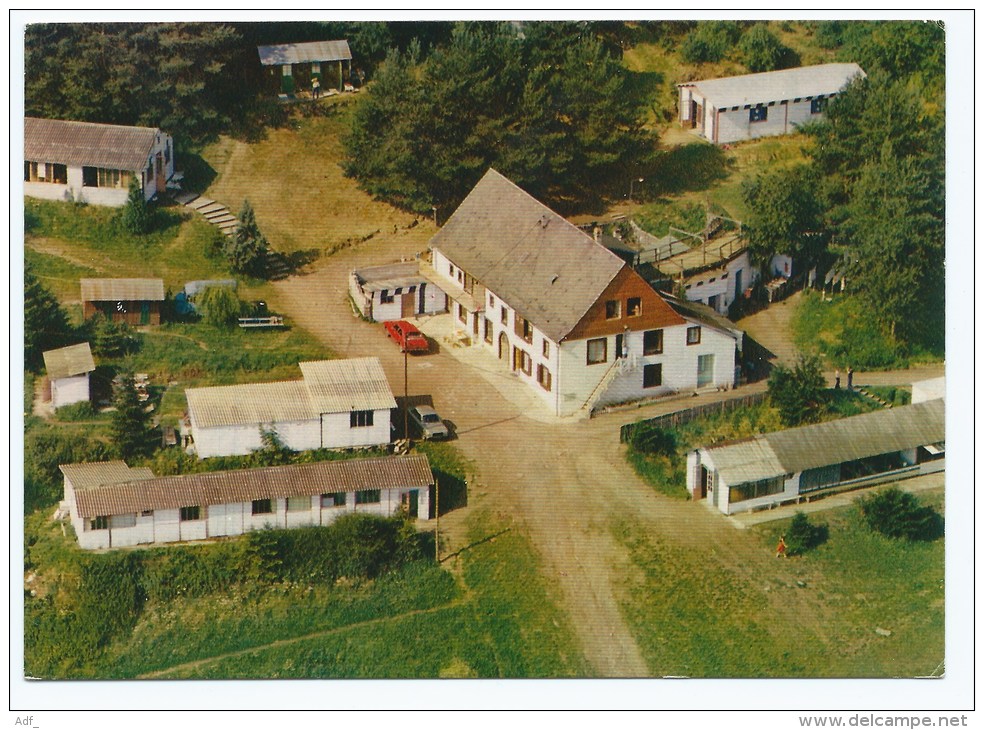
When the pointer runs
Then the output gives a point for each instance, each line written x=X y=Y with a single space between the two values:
x=395 y=291
x=68 y=371
x=316 y=53
x=133 y=301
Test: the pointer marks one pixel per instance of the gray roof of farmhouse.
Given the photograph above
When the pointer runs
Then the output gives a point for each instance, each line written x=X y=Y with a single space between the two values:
x=315 y=51
x=68 y=361
x=775 y=86
x=537 y=262
x=329 y=386
x=703 y=314
x=245 y=485
x=823 y=444
x=108 y=146
x=122 y=290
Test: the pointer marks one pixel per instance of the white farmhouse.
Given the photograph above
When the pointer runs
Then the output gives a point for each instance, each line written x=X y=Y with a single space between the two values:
x=337 y=404
x=68 y=371
x=94 y=163
x=737 y=108
x=395 y=291
x=112 y=505
x=806 y=462
x=567 y=316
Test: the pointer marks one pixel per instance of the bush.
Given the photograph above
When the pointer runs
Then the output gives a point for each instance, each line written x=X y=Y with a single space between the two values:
x=761 y=50
x=650 y=439
x=899 y=514
x=797 y=392
x=44 y=450
x=804 y=535
x=709 y=42
x=82 y=411
x=219 y=306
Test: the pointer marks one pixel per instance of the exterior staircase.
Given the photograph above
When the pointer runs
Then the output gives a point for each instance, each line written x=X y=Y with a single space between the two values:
x=619 y=366
x=277 y=265
x=871 y=396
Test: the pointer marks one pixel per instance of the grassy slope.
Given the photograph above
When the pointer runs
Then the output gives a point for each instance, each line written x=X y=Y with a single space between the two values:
x=691 y=621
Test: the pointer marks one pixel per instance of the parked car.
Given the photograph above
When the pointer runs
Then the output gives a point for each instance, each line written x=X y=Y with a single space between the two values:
x=407 y=336
x=430 y=424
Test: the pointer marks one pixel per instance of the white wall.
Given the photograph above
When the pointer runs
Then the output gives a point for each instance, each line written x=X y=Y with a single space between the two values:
x=782 y=119
x=65 y=391
x=924 y=390
x=337 y=431
x=700 y=288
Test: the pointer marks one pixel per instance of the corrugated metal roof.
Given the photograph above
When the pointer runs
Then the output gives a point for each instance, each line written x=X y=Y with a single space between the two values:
x=100 y=473
x=245 y=485
x=304 y=52
x=540 y=264
x=389 y=276
x=833 y=442
x=774 y=86
x=109 y=146
x=68 y=361
x=250 y=404
x=122 y=290
x=340 y=386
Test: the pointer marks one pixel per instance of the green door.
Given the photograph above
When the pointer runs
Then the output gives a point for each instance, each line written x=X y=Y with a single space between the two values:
x=144 y=312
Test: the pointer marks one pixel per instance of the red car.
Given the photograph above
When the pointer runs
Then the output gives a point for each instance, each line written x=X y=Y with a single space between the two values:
x=407 y=336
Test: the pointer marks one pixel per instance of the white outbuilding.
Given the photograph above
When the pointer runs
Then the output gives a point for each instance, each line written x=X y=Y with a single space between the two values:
x=68 y=371
x=94 y=163
x=337 y=404
x=395 y=291
x=737 y=108
x=112 y=505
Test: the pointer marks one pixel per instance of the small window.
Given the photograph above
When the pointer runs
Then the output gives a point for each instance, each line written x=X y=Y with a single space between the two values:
x=712 y=280
x=700 y=283
x=505 y=316
x=147 y=513
x=818 y=105
x=412 y=289
x=525 y=362
x=190 y=514
x=652 y=342
x=758 y=114
x=597 y=351
x=385 y=297
x=368 y=496
x=613 y=309
x=724 y=275
x=462 y=315
x=633 y=307
x=398 y=291
x=491 y=302
x=298 y=504
x=546 y=347
x=488 y=331
x=524 y=329
x=693 y=335
x=99 y=523
x=687 y=287
x=262 y=506
x=451 y=270
x=333 y=500
x=360 y=419
x=461 y=277
x=652 y=375
x=543 y=377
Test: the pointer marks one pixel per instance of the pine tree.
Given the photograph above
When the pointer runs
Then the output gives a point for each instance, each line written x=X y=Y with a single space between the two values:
x=136 y=215
x=45 y=322
x=129 y=425
x=247 y=248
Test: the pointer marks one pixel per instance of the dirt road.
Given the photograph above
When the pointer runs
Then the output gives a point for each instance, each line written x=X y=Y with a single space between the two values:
x=564 y=481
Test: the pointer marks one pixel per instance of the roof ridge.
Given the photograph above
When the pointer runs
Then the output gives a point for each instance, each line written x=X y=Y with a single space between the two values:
x=91 y=124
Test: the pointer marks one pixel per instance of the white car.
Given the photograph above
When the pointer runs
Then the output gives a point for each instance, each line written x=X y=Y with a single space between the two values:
x=430 y=424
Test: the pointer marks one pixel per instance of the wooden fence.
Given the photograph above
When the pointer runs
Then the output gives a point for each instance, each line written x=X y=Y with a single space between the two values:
x=687 y=415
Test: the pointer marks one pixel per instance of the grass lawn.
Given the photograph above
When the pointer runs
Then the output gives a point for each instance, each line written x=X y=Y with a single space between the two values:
x=693 y=620
x=294 y=180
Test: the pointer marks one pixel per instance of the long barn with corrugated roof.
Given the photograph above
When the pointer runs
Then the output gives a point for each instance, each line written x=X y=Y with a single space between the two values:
x=808 y=461
x=113 y=505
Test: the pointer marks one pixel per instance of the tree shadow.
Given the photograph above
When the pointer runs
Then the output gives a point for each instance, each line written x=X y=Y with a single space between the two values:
x=198 y=174
x=689 y=167
x=452 y=492
x=298 y=260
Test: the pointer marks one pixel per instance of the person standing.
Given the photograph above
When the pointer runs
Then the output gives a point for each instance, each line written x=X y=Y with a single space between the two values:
x=837 y=379
x=850 y=378
x=781 y=547
x=315 y=87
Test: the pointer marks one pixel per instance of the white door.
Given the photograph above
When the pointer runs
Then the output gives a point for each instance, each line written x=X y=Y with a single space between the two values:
x=705 y=369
